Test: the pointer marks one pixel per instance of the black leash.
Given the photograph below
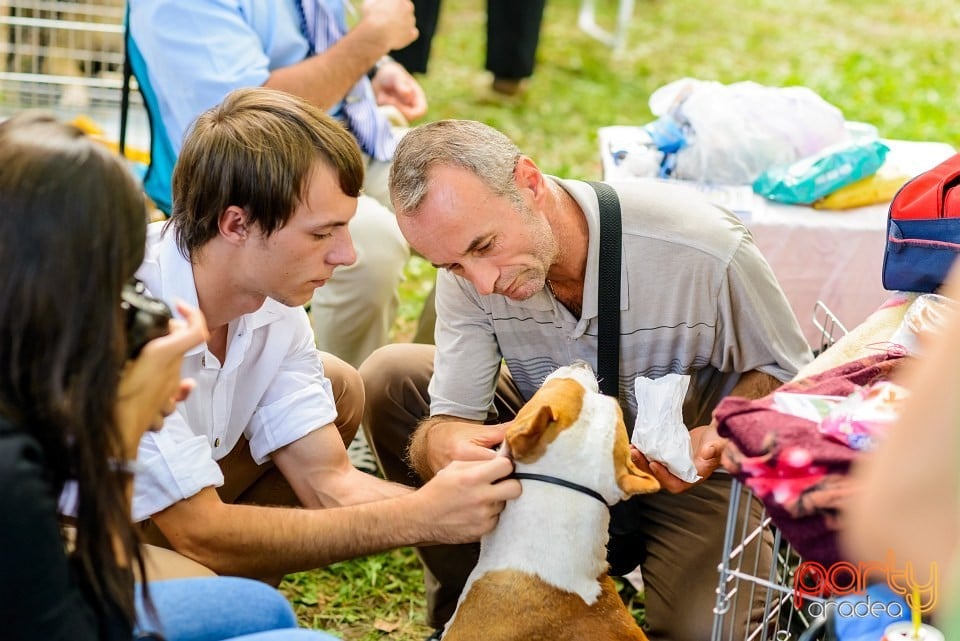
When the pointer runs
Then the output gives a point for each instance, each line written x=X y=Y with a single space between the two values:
x=558 y=481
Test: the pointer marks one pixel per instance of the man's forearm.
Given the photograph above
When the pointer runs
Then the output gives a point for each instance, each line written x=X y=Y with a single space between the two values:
x=317 y=468
x=352 y=488
x=257 y=541
x=755 y=384
x=418 y=451
x=326 y=78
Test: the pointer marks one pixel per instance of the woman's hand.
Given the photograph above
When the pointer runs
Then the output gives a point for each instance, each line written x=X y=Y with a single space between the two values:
x=150 y=386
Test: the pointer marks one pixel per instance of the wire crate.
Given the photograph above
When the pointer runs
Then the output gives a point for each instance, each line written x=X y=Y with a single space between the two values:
x=744 y=577
x=831 y=329
x=67 y=57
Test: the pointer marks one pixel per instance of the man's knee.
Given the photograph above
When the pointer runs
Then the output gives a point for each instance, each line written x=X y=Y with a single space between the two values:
x=396 y=378
x=164 y=563
x=381 y=253
x=397 y=375
x=381 y=248
x=376 y=178
x=348 y=394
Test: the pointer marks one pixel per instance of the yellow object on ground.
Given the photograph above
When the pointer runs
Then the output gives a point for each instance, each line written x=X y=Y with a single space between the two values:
x=92 y=129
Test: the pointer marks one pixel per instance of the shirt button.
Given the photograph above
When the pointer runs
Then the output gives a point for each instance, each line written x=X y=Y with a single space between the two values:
x=216 y=442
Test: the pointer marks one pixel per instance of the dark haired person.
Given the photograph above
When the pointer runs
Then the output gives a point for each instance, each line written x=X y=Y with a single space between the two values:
x=263 y=194
x=73 y=407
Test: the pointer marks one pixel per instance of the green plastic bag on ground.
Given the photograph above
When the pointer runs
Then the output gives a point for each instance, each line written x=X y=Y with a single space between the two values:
x=812 y=178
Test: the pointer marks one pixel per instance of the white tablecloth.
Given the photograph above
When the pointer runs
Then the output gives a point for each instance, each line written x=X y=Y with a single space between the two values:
x=817 y=255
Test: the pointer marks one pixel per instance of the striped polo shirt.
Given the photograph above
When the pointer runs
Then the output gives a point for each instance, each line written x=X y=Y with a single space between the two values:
x=696 y=297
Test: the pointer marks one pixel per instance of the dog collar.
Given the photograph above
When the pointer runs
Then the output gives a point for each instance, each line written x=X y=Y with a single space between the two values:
x=558 y=481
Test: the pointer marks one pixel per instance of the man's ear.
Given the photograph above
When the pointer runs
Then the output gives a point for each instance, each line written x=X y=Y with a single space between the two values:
x=234 y=225
x=529 y=176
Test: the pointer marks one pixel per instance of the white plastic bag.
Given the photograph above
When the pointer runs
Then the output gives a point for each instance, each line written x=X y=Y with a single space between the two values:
x=928 y=315
x=735 y=132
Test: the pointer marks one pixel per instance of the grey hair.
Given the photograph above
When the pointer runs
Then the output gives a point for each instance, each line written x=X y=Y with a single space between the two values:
x=468 y=144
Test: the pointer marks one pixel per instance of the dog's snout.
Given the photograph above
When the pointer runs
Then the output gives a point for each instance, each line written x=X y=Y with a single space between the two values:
x=580 y=371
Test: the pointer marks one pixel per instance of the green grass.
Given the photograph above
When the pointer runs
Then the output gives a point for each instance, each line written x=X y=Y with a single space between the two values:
x=365 y=599
x=890 y=63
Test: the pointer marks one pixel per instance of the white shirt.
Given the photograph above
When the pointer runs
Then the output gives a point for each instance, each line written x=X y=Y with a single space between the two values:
x=271 y=389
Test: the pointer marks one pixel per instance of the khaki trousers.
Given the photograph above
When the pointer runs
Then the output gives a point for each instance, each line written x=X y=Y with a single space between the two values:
x=246 y=482
x=677 y=540
x=352 y=314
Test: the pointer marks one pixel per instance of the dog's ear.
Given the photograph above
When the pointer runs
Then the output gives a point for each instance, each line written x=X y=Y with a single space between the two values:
x=635 y=481
x=527 y=429
x=631 y=479
x=554 y=407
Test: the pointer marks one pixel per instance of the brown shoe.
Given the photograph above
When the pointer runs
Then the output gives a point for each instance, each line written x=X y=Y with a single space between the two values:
x=507 y=86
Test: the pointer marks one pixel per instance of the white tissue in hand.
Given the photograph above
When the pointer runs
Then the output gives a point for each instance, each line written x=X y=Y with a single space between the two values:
x=659 y=432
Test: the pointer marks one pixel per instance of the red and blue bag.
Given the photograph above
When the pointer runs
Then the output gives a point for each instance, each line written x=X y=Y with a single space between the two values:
x=923 y=230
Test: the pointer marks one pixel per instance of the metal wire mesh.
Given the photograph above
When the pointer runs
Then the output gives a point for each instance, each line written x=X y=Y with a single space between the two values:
x=66 y=56
x=831 y=329
x=745 y=578
x=743 y=575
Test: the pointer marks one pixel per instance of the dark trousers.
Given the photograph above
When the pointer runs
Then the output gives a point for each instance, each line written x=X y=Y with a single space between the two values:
x=513 y=33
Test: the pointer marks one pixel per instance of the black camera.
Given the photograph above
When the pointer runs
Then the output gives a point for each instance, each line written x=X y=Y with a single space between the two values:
x=146 y=317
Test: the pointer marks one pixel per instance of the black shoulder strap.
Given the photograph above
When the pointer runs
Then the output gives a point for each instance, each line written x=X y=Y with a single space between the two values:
x=125 y=86
x=608 y=340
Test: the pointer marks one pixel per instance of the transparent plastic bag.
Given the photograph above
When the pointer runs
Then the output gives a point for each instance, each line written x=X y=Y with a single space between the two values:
x=734 y=132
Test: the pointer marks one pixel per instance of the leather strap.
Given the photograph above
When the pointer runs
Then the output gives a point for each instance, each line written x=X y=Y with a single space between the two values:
x=608 y=304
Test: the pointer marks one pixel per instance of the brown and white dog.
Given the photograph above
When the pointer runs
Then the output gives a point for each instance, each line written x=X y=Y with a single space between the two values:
x=542 y=573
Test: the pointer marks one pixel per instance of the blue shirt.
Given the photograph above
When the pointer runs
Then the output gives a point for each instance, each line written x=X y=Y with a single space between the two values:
x=197 y=51
x=189 y=54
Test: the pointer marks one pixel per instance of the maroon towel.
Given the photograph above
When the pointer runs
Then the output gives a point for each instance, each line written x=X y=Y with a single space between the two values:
x=798 y=472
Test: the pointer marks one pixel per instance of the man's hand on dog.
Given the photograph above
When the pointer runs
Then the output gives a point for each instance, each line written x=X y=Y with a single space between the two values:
x=437 y=443
x=465 y=498
x=707 y=447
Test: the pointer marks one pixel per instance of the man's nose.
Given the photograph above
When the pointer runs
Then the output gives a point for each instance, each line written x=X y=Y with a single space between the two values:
x=484 y=278
x=343 y=252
